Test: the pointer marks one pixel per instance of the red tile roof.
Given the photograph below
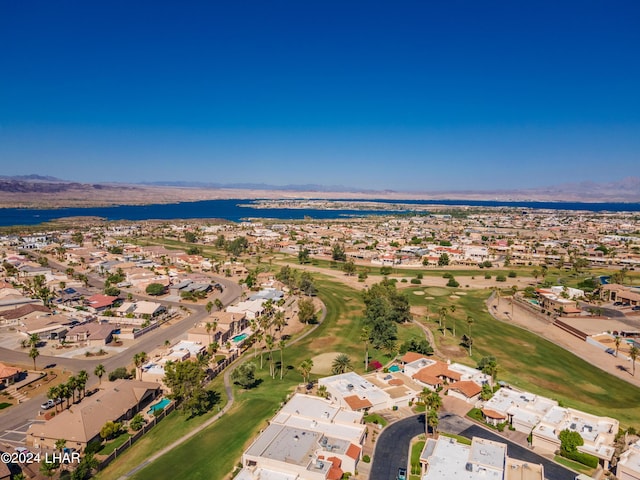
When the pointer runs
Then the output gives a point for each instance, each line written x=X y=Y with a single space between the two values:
x=7 y=371
x=468 y=388
x=353 y=451
x=357 y=403
x=99 y=301
x=487 y=412
x=412 y=357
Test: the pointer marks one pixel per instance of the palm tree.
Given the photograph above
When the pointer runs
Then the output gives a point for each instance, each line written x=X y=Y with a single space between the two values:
x=452 y=309
x=83 y=378
x=72 y=385
x=218 y=303
x=65 y=392
x=278 y=320
x=432 y=421
x=341 y=364
x=53 y=394
x=633 y=354
x=48 y=468
x=33 y=354
x=209 y=306
x=139 y=359
x=60 y=444
x=365 y=335
x=433 y=401
x=99 y=372
x=281 y=345
x=322 y=391
x=305 y=369
x=270 y=343
x=208 y=327
x=617 y=344
x=443 y=316
x=469 y=323
x=34 y=340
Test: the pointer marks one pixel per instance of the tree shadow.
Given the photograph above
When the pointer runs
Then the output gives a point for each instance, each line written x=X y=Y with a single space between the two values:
x=622 y=368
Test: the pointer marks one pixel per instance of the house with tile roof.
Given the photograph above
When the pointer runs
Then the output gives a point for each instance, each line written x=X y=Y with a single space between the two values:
x=80 y=424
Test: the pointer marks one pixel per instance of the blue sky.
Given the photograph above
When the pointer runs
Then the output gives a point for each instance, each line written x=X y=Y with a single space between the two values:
x=425 y=95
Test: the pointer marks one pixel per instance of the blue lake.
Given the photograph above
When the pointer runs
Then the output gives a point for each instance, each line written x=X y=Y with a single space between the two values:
x=230 y=210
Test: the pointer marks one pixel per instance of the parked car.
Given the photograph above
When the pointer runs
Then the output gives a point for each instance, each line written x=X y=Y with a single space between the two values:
x=617 y=304
x=22 y=450
x=636 y=308
x=50 y=403
x=610 y=351
x=402 y=474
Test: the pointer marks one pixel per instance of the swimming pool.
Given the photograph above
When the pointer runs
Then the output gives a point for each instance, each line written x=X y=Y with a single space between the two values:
x=158 y=407
x=239 y=338
x=394 y=368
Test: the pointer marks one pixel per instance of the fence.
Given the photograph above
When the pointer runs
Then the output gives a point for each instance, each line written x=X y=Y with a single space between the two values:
x=135 y=437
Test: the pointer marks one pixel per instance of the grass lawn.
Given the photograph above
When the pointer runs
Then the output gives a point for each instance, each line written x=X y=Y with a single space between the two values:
x=416 y=450
x=578 y=467
x=4 y=405
x=531 y=362
x=375 y=418
x=109 y=447
x=172 y=427
x=213 y=452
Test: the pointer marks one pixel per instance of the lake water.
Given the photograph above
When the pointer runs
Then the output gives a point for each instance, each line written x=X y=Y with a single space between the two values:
x=230 y=210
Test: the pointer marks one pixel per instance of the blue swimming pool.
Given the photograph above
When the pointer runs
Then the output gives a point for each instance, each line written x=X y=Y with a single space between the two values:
x=239 y=338
x=158 y=407
x=394 y=368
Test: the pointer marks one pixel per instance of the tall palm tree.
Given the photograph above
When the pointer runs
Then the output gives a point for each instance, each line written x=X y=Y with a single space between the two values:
x=34 y=340
x=208 y=327
x=270 y=343
x=341 y=364
x=72 y=385
x=99 y=372
x=365 y=335
x=432 y=421
x=53 y=394
x=442 y=317
x=281 y=345
x=60 y=444
x=209 y=306
x=33 y=354
x=617 y=342
x=452 y=309
x=633 y=355
x=83 y=378
x=65 y=392
x=469 y=323
x=433 y=401
x=139 y=359
x=305 y=369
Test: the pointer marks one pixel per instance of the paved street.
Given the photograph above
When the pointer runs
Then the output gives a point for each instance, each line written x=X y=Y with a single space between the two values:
x=13 y=419
x=392 y=446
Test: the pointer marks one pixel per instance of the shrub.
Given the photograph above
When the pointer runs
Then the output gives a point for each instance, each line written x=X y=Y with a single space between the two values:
x=487 y=276
x=119 y=372
x=447 y=275
x=404 y=280
x=512 y=274
x=583 y=458
x=366 y=458
x=501 y=278
x=416 y=281
x=452 y=283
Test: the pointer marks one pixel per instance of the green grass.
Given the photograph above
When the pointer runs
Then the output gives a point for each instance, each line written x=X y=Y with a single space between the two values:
x=4 y=405
x=532 y=363
x=416 y=450
x=213 y=452
x=459 y=438
x=375 y=418
x=578 y=467
x=172 y=427
x=109 y=447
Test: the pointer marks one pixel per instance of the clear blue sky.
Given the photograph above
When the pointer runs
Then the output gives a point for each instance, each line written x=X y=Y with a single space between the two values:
x=424 y=95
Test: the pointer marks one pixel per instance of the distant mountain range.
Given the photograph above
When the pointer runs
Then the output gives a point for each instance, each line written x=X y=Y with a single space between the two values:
x=42 y=191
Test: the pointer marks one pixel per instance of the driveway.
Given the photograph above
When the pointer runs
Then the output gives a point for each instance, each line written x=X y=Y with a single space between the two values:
x=392 y=446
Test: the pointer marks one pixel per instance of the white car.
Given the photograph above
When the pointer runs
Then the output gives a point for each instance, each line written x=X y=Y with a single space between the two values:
x=22 y=450
x=50 y=403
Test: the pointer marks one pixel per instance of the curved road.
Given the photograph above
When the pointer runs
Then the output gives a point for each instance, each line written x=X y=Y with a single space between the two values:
x=22 y=413
x=392 y=446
